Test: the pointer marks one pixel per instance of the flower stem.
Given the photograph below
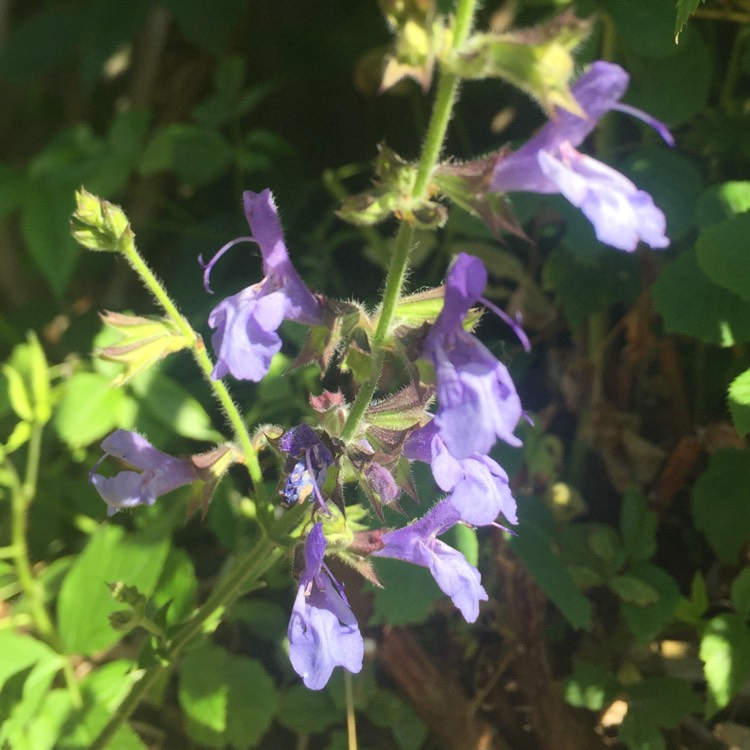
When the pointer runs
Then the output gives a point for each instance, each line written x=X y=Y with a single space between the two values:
x=198 y=349
x=442 y=111
x=246 y=570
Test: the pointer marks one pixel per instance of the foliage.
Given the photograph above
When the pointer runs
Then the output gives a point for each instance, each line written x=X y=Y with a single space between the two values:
x=619 y=602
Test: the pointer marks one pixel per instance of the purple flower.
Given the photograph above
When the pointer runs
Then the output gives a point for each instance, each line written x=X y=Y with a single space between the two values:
x=418 y=544
x=306 y=466
x=477 y=401
x=478 y=485
x=246 y=323
x=323 y=632
x=158 y=473
x=549 y=163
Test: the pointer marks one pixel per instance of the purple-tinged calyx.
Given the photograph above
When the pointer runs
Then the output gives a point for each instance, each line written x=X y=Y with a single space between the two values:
x=477 y=400
x=157 y=473
x=246 y=323
x=620 y=213
x=323 y=632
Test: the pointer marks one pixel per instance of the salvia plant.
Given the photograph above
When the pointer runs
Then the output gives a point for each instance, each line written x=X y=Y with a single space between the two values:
x=402 y=448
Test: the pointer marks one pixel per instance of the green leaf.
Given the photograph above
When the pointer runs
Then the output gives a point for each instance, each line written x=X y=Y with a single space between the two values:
x=645 y=28
x=685 y=9
x=633 y=590
x=18 y=652
x=673 y=89
x=692 y=610
x=308 y=711
x=725 y=651
x=723 y=201
x=88 y=409
x=647 y=621
x=408 y=594
x=203 y=691
x=662 y=701
x=720 y=503
x=637 y=526
x=46 y=231
x=590 y=686
x=741 y=592
x=253 y=701
x=177 y=586
x=722 y=250
x=385 y=709
x=739 y=402
x=174 y=407
x=111 y=555
x=690 y=303
x=534 y=546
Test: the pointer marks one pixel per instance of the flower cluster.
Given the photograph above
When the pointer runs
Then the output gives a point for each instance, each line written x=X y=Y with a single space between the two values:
x=476 y=399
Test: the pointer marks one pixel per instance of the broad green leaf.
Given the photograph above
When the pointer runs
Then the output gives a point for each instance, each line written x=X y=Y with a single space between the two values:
x=720 y=503
x=692 y=610
x=203 y=690
x=722 y=250
x=534 y=547
x=111 y=555
x=408 y=594
x=17 y=652
x=46 y=728
x=645 y=28
x=675 y=88
x=690 y=303
x=647 y=621
x=741 y=592
x=252 y=702
x=590 y=686
x=39 y=378
x=685 y=9
x=385 y=709
x=725 y=651
x=177 y=586
x=739 y=402
x=637 y=526
x=88 y=409
x=633 y=590
x=308 y=711
x=18 y=395
x=723 y=201
x=172 y=405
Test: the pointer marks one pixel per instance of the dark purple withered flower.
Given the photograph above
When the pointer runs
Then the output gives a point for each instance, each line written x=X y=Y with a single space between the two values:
x=157 y=473
x=307 y=465
x=323 y=632
x=621 y=214
x=417 y=543
x=478 y=486
x=477 y=401
x=246 y=323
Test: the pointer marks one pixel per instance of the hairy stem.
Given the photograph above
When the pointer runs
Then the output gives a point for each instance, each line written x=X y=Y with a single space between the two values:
x=198 y=349
x=442 y=111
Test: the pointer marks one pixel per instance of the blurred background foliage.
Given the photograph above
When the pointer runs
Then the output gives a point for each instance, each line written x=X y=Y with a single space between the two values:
x=617 y=616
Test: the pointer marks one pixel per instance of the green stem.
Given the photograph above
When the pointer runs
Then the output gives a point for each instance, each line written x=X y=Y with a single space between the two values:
x=442 y=111
x=198 y=348
x=247 y=570
x=22 y=495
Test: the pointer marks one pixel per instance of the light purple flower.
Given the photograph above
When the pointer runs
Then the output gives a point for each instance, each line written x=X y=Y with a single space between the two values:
x=549 y=163
x=246 y=323
x=323 y=632
x=417 y=543
x=158 y=473
x=479 y=486
x=477 y=401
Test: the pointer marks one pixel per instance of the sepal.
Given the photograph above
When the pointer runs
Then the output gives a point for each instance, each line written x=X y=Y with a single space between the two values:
x=145 y=341
x=537 y=60
x=98 y=224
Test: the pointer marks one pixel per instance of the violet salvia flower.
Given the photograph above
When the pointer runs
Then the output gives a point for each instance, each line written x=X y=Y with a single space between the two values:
x=417 y=543
x=549 y=163
x=479 y=486
x=477 y=401
x=323 y=632
x=246 y=323
x=158 y=473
